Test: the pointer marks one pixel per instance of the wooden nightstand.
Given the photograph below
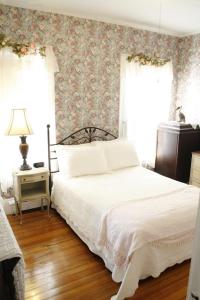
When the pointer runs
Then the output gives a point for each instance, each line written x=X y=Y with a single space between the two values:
x=195 y=169
x=29 y=186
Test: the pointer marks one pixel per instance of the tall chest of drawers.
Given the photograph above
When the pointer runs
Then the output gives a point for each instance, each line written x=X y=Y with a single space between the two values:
x=175 y=144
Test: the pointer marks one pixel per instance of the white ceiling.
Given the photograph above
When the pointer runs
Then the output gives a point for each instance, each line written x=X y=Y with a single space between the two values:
x=177 y=17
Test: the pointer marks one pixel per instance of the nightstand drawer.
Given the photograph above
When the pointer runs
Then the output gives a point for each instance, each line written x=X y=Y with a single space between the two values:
x=33 y=178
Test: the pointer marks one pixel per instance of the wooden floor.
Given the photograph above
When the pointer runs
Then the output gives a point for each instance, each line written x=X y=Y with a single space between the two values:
x=60 y=267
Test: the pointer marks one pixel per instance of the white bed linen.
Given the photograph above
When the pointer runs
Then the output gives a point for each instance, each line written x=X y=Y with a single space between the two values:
x=85 y=201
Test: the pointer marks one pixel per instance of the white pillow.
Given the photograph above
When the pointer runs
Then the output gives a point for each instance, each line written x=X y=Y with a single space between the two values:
x=79 y=161
x=119 y=154
x=56 y=148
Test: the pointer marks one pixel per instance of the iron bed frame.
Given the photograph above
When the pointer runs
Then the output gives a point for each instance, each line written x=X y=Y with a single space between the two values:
x=81 y=136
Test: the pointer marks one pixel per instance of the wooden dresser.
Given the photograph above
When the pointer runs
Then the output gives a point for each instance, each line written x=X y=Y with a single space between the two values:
x=175 y=144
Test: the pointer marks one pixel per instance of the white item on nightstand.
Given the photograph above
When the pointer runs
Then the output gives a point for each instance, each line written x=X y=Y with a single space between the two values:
x=195 y=169
x=31 y=185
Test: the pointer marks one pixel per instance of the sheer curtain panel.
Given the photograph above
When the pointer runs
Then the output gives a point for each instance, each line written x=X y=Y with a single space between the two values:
x=144 y=103
x=25 y=82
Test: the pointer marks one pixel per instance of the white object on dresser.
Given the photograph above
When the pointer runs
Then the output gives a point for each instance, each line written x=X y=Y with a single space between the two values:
x=195 y=169
x=29 y=186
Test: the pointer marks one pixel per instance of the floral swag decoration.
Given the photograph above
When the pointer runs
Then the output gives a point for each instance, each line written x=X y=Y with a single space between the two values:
x=21 y=49
x=143 y=59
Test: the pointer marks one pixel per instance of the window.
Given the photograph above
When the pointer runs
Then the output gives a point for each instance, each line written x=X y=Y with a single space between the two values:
x=145 y=102
x=25 y=82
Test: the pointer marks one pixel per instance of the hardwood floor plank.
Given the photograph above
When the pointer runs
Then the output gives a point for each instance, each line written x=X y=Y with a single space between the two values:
x=59 y=266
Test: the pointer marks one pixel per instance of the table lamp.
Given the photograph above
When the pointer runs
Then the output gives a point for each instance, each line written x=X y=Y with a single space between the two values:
x=19 y=125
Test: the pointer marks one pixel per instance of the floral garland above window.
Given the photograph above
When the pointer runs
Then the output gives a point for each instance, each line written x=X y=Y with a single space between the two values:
x=21 y=49
x=143 y=59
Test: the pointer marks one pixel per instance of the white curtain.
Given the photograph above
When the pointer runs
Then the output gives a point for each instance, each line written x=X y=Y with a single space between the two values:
x=25 y=82
x=190 y=101
x=144 y=103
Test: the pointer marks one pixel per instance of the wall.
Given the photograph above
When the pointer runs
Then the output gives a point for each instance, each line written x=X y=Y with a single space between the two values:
x=88 y=54
x=188 y=89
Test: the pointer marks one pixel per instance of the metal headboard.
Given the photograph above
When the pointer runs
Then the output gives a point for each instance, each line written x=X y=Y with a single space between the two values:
x=81 y=136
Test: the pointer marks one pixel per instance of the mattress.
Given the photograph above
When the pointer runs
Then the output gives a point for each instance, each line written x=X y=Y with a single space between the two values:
x=92 y=205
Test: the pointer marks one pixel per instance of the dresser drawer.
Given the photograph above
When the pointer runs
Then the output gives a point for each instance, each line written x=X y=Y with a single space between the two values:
x=195 y=173
x=195 y=182
x=33 y=178
x=196 y=162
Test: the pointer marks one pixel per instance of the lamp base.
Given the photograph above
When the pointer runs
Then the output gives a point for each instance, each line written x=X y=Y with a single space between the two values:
x=24 y=150
x=25 y=167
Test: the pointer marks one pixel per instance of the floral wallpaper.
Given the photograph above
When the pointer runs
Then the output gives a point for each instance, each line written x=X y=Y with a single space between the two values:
x=88 y=53
x=188 y=90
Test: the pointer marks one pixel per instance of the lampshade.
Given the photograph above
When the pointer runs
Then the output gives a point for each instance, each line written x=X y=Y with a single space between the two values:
x=19 y=124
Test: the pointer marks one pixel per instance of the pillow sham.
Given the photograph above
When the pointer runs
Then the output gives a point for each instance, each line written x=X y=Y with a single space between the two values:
x=58 y=149
x=119 y=153
x=80 y=161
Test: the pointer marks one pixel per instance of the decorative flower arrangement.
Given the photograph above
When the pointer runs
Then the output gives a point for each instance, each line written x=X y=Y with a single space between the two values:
x=143 y=59
x=21 y=49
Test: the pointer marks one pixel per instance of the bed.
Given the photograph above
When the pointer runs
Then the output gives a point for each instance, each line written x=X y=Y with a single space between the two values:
x=11 y=263
x=136 y=220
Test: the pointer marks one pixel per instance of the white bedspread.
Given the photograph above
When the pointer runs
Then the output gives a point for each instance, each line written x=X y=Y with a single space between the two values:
x=129 y=226
x=119 y=213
